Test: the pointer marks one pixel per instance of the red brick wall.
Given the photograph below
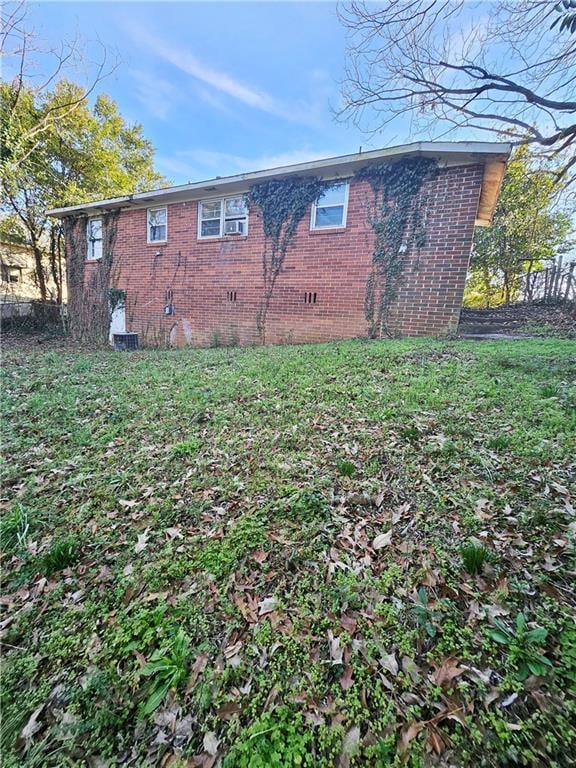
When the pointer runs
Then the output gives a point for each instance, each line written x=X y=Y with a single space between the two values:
x=334 y=264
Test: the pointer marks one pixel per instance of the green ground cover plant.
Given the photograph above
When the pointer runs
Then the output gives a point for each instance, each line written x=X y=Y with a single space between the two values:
x=359 y=553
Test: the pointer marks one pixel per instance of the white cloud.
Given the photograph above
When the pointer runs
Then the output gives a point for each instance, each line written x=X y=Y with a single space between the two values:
x=221 y=81
x=156 y=94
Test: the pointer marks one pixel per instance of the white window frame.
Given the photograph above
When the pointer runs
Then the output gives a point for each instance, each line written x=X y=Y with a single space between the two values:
x=90 y=242
x=222 y=201
x=148 y=212
x=313 y=227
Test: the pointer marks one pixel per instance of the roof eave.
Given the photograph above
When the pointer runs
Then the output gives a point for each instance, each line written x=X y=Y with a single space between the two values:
x=470 y=150
x=494 y=170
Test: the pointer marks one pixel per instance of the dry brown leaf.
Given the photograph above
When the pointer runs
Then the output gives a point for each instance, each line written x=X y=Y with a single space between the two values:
x=142 y=542
x=127 y=504
x=228 y=710
x=348 y=623
x=197 y=668
x=408 y=734
x=382 y=540
x=210 y=743
x=267 y=605
x=389 y=663
x=447 y=672
x=435 y=742
x=336 y=652
x=31 y=727
x=346 y=681
x=349 y=747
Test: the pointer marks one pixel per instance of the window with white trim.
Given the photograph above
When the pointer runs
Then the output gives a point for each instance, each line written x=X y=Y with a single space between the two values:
x=94 y=239
x=225 y=216
x=157 y=225
x=330 y=208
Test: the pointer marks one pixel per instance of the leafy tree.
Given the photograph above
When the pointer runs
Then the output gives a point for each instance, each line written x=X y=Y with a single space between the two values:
x=58 y=146
x=526 y=231
x=86 y=154
x=21 y=53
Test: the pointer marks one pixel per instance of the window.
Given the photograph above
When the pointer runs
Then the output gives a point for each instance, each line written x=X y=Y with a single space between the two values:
x=330 y=208
x=11 y=274
x=94 y=239
x=157 y=225
x=227 y=216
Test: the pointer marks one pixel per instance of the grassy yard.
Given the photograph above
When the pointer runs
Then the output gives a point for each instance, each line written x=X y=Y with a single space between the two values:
x=337 y=555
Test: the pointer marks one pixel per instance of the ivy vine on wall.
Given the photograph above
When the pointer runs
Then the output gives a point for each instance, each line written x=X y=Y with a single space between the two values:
x=282 y=203
x=91 y=299
x=398 y=219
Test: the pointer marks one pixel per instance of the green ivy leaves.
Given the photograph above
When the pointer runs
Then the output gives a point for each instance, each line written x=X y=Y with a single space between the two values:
x=282 y=203
x=399 y=222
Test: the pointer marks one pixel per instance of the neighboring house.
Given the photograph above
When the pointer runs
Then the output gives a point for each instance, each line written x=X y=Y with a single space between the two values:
x=18 y=275
x=17 y=282
x=190 y=258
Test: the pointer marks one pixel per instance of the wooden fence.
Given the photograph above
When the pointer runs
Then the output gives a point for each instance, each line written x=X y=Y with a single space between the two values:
x=554 y=284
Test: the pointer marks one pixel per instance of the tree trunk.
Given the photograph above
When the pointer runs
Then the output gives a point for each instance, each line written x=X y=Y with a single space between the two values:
x=60 y=250
x=53 y=264
x=39 y=269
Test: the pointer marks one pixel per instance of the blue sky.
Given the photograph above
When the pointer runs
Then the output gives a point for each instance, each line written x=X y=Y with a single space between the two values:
x=221 y=88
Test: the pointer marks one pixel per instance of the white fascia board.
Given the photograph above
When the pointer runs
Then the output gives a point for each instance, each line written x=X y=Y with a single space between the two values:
x=451 y=152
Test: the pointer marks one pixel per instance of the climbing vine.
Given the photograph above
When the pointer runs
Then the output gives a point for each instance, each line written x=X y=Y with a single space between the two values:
x=398 y=219
x=91 y=298
x=282 y=204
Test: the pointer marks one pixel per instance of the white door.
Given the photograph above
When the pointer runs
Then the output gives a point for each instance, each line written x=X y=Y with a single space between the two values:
x=117 y=321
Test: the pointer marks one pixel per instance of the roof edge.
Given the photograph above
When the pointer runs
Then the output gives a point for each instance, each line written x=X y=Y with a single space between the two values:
x=440 y=148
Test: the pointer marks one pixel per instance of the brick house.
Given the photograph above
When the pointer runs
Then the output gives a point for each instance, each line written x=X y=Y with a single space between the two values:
x=190 y=258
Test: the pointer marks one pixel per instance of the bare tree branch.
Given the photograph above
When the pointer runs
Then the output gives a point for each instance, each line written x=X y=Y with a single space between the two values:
x=450 y=67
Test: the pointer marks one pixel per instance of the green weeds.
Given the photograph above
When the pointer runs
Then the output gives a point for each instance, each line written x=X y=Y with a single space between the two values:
x=473 y=557
x=275 y=555
x=278 y=739
x=167 y=670
x=63 y=553
x=522 y=646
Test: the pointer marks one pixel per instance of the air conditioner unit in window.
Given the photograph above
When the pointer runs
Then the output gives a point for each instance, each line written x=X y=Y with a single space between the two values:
x=234 y=227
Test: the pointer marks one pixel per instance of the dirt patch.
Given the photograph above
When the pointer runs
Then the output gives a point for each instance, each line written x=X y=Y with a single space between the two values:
x=17 y=341
x=521 y=319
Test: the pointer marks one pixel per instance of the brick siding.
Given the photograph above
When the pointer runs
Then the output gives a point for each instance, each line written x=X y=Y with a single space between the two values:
x=204 y=275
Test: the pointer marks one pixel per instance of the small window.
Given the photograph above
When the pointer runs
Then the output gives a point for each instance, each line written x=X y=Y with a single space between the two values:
x=94 y=239
x=11 y=274
x=310 y=297
x=231 y=295
x=225 y=217
x=157 y=225
x=331 y=207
